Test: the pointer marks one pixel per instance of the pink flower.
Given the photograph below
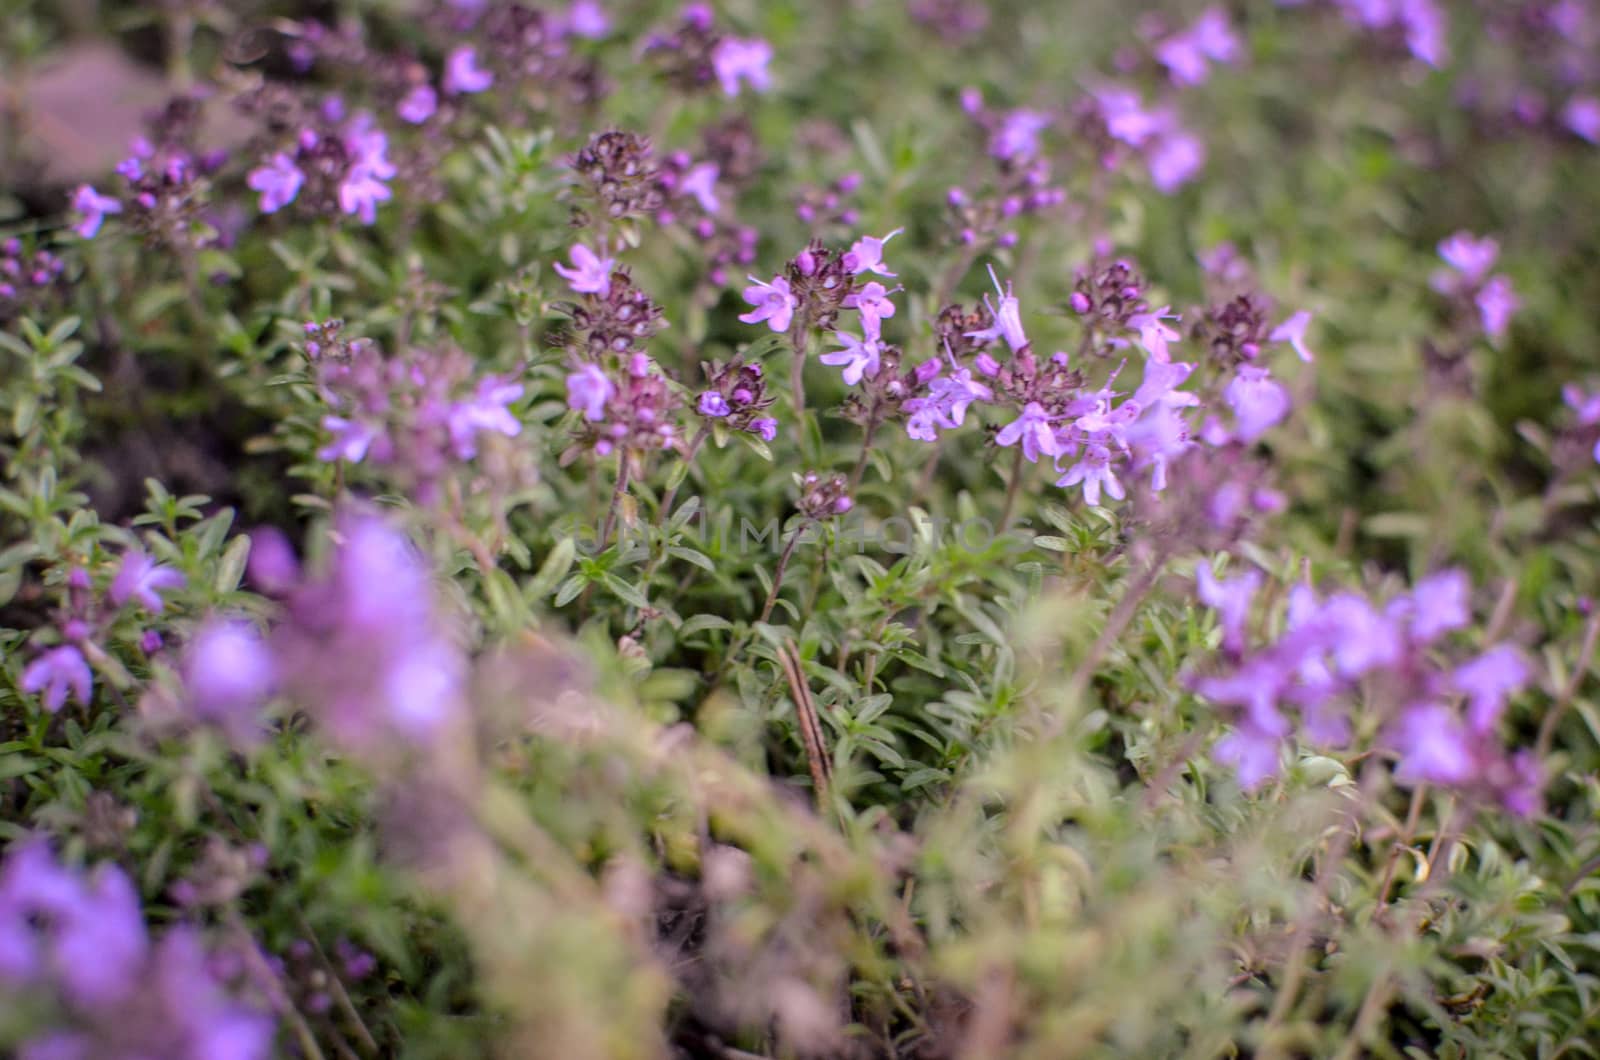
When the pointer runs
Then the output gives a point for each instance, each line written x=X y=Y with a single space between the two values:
x=1094 y=471
x=773 y=303
x=1468 y=255
x=872 y=302
x=590 y=273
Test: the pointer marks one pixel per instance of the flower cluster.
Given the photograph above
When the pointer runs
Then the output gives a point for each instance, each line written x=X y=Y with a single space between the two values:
x=360 y=646
x=420 y=412
x=1337 y=650
x=1414 y=26
x=29 y=282
x=333 y=163
x=737 y=396
x=1467 y=282
x=694 y=55
x=631 y=410
x=86 y=621
x=620 y=174
x=79 y=940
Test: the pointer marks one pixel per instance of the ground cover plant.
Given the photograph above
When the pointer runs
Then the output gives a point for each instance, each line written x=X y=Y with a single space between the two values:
x=799 y=529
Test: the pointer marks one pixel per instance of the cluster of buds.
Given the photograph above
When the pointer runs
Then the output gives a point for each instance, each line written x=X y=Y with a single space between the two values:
x=963 y=332
x=823 y=496
x=1107 y=297
x=612 y=315
x=1234 y=331
x=620 y=172
x=633 y=413
x=738 y=397
x=830 y=205
x=163 y=197
x=28 y=281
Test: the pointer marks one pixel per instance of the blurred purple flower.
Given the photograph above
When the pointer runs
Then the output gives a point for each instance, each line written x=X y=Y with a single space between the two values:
x=1488 y=681
x=1497 y=303
x=463 y=75
x=1258 y=403
x=1433 y=746
x=418 y=105
x=93 y=207
x=141 y=578
x=229 y=672
x=57 y=672
x=486 y=411
x=1033 y=430
x=588 y=390
x=278 y=182
x=1293 y=331
x=1582 y=116
x=737 y=60
x=1230 y=598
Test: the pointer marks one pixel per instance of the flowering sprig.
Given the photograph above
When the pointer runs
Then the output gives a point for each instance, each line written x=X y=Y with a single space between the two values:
x=1332 y=648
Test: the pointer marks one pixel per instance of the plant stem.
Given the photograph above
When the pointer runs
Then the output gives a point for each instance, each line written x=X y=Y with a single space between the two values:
x=783 y=565
x=1547 y=728
x=866 y=447
x=1011 y=490
x=623 y=467
x=688 y=458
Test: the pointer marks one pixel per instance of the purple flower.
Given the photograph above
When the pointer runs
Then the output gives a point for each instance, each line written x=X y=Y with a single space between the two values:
x=1582 y=116
x=1488 y=681
x=773 y=303
x=1230 y=599
x=701 y=182
x=418 y=105
x=1007 y=320
x=1585 y=406
x=1257 y=401
x=736 y=60
x=1496 y=304
x=1433 y=746
x=1153 y=333
x=1425 y=30
x=588 y=389
x=866 y=255
x=1126 y=117
x=140 y=578
x=1017 y=138
x=586 y=18
x=93 y=207
x=1360 y=637
x=590 y=273
x=872 y=302
x=766 y=427
x=1439 y=604
x=363 y=188
x=351 y=439
x=1470 y=256
x=713 y=404
x=1293 y=331
x=1185 y=54
x=485 y=412
x=859 y=357
x=278 y=182
x=463 y=75
x=1174 y=160
x=229 y=673
x=57 y=672
x=1253 y=754
x=1033 y=430
x=1094 y=471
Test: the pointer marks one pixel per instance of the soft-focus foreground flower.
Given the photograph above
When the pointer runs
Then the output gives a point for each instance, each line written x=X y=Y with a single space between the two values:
x=79 y=939
x=57 y=672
